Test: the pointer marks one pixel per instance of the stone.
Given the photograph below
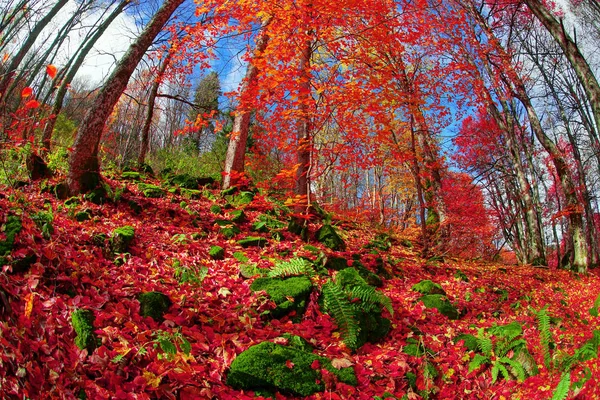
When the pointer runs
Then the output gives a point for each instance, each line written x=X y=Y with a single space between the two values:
x=289 y=294
x=154 y=305
x=328 y=236
x=83 y=324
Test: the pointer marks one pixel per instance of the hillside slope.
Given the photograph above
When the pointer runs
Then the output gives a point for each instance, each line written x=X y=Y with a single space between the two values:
x=69 y=255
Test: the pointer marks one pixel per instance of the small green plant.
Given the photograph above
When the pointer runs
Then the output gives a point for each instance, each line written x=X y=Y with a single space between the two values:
x=293 y=267
x=169 y=343
x=44 y=221
x=191 y=274
x=179 y=238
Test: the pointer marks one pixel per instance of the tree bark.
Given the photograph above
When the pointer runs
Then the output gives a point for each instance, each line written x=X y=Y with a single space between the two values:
x=571 y=50
x=64 y=86
x=304 y=138
x=150 y=110
x=84 y=169
x=236 y=149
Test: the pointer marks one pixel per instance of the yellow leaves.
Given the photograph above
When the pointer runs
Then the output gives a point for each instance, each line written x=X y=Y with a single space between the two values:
x=29 y=304
x=153 y=380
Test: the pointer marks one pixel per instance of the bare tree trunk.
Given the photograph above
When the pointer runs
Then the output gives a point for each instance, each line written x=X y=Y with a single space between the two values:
x=64 y=86
x=26 y=46
x=84 y=169
x=303 y=149
x=571 y=50
x=150 y=110
x=236 y=149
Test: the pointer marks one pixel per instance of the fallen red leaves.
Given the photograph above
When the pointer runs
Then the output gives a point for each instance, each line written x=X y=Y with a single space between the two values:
x=219 y=317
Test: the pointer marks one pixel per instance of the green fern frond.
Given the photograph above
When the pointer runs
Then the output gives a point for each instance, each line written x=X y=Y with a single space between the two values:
x=562 y=390
x=293 y=267
x=337 y=304
x=503 y=347
x=484 y=343
x=545 y=334
x=368 y=294
x=495 y=371
x=478 y=361
x=516 y=368
x=503 y=370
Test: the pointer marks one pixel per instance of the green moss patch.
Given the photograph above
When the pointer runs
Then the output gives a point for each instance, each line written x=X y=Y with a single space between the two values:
x=441 y=303
x=151 y=191
x=154 y=305
x=191 y=193
x=217 y=253
x=84 y=215
x=132 y=175
x=428 y=287
x=253 y=241
x=230 y=231
x=330 y=238
x=289 y=294
x=121 y=239
x=11 y=229
x=83 y=324
x=287 y=369
x=238 y=215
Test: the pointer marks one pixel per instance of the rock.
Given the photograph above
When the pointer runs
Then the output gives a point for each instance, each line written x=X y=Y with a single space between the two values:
x=230 y=231
x=151 y=191
x=253 y=241
x=238 y=216
x=121 y=238
x=217 y=253
x=286 y=369
x=84 y=215
x=428 y=287
x=135 y=207
x=330 y=238
x=154 y=305
x=83 y=324
x=441 y=303
x=289 y=294
x=37 y=167
x=131 y=175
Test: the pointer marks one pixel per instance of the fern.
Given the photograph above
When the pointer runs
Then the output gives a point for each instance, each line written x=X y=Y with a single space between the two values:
x=484 y=343
x=503 y=347
x=478 y=361
x=545 y=334
x=368 y=294
x=342 y=311
x=293 y=267
x=562 y=390
x=516 y=368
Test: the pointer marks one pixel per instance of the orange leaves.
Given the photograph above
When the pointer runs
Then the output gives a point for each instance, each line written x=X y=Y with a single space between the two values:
x=27 y=92
x=51 y=70
x=31 y=104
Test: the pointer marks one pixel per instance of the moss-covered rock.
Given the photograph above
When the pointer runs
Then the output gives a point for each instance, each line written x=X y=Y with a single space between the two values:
x=242 y=198
x=131 y=175
x=121 y=238
x=11 y=229
x=461 y=276
x=154 y=305
x=191 y=193
x=289 y=294
x=98 y=195
x=151 y=191
x=185 y=181
x=253 y=241
x=238 y=216
x=84 y=215
x=83 y=324
x=135 y=207
x=330 y=238
x=230 y=231
x=441 y=303
x=229 y=191
x=428 y=287
x=298 y=228
x=217 y=253
x=287 y=369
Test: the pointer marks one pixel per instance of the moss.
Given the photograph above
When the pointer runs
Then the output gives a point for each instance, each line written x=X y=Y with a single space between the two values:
x=131 y=175
x=243 y=198
x=185 y=181
x=441 y=303
x=217 y=253
x=238 y=215
x=269 y=366
x=461 y=276
x=298 y=342
x=97 y=196
x=83 y=324
x=84 y=215
x=154 y=305
x=216 y=209
x=230 y=231
x=289 y=294
x=135 y=207
x=428 y=287
x=330 y=238
x=253 y=241
x=191 y=193
x=121 y=238
x=230 y=191
x=152 y=191
x=72 y=201
x=11 y=228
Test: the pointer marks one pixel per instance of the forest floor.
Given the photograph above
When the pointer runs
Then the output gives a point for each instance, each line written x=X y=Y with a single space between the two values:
x=58 y=264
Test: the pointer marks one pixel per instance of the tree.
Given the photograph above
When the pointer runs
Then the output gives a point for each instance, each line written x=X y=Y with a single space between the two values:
x=84 y=168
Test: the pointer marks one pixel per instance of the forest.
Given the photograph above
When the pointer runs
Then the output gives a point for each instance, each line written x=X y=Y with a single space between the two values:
x=384 y=199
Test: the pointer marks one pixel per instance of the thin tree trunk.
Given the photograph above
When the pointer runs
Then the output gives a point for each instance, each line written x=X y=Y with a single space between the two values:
x=304 y=142
x=236 y=149
x=84 y=169
x=150 y=110
x=571 y=50
x=26 y=46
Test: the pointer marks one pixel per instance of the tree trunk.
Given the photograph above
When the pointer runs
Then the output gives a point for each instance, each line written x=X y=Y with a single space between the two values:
x=64 y=86
x=571 y=50
x=150 y=110
x=26 y=46
x=84 y=169
x=304 y=143
x=236 y=149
